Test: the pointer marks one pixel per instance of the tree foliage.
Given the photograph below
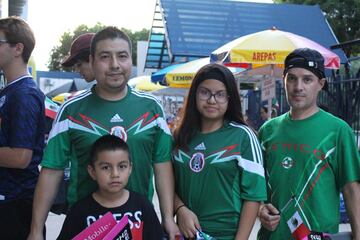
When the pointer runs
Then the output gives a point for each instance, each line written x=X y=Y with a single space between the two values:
x=343 y=17
x=58 y=53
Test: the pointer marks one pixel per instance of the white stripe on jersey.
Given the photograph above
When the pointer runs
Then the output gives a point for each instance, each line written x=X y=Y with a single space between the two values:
x=161 y=121
x=254 y=143
x=149 y=96
x=63 y=126
x=70 y=101
x=163 y=125
x=313 y=172
x=58 y=128
x=251 y=166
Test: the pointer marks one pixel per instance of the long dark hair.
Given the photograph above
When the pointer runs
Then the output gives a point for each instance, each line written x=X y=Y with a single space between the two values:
x=190 y=120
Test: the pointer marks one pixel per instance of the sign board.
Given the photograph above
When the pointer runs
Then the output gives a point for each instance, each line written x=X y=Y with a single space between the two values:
x=268 y=89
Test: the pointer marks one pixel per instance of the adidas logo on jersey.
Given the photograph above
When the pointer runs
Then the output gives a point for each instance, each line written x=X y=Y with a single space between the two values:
x=116 y=118
x=200 y=147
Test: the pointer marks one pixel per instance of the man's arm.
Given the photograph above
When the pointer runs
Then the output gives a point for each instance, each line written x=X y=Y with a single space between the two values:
x=351 y=193
x=45 y=193
x=15 y=157
x=164 y=182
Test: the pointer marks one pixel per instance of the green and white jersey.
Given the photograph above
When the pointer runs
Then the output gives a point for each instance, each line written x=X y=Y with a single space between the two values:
x=217 y=173
x=308 y=162
x=138 y=119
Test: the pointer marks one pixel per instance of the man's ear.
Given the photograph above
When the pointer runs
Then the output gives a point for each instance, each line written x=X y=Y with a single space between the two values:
x=91 y=171
x=322 y=82
x=19 y=47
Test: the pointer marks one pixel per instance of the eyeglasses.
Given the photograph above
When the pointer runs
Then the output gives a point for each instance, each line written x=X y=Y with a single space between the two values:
x=205 y=94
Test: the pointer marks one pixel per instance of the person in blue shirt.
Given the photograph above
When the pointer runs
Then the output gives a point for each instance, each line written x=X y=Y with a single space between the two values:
x=22 y=129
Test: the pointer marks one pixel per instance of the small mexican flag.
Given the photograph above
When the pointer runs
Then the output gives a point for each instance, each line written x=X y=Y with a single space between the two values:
x=298 y=229
x=51 y=108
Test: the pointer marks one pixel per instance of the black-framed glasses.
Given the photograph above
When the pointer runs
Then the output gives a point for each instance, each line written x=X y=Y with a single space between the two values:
x=205 y=94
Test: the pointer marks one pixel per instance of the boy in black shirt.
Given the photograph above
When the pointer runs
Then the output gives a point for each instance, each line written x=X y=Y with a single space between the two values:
x=110 y=167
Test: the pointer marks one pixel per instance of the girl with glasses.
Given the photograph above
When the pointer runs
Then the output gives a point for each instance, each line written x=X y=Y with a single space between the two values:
x=217 y=159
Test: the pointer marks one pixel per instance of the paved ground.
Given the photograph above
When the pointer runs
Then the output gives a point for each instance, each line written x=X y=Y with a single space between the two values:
x=54 y=223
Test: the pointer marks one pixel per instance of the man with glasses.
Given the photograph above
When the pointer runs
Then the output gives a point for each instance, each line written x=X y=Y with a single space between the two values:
x=22 y=129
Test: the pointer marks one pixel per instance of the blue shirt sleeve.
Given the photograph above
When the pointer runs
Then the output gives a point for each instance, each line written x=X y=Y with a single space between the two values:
x=25 y=112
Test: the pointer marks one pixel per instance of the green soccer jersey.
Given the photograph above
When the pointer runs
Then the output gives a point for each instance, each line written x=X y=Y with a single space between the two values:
x=308 y=162
x=138 y=119
x=217 y=173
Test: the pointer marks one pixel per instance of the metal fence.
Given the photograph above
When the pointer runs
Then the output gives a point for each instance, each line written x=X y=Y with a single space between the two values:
x=343 y=100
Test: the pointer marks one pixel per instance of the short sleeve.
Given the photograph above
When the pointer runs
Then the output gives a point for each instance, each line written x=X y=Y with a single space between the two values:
x=163 y=142
x=57 y=151
x=25 y=113
x=348 y=159
x=252 y=181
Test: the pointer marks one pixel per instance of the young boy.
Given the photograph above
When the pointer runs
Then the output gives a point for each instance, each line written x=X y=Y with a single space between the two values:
x=110 y=167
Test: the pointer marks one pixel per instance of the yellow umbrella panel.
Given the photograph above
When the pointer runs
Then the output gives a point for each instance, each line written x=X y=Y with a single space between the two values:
x=182 y=76
x=143 y=83
x=269 y=47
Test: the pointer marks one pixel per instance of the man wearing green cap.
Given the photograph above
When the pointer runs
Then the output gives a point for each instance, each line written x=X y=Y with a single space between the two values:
x=310 y=156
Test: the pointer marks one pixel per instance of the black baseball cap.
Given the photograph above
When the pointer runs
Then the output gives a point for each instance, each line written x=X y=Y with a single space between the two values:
x=309 y=59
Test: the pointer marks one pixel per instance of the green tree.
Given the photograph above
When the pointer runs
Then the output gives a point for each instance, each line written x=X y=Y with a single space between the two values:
x=343 y=17
x=58 y=53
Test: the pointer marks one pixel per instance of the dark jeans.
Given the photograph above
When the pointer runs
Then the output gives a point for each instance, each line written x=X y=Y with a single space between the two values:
x=15 y=219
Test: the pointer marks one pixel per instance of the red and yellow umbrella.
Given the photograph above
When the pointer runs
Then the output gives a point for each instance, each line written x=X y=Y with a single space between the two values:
x=269 y=47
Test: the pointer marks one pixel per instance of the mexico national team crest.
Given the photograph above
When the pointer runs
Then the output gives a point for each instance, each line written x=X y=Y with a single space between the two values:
x=287 y=162
x=197 y=162
x=119 y=132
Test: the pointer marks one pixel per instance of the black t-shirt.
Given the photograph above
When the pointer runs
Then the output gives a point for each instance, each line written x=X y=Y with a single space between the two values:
x=143 y=220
